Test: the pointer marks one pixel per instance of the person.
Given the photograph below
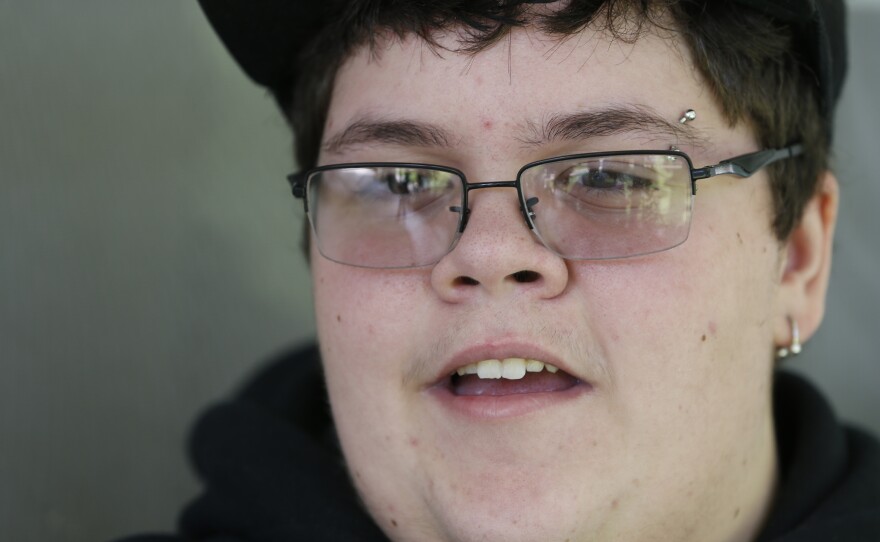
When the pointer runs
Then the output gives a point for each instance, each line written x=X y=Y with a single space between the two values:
x=557 y=249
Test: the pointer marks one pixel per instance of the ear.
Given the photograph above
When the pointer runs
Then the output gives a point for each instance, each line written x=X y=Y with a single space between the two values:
x=807 y=265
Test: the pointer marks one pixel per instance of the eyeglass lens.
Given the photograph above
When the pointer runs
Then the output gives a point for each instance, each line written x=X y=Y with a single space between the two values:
x=609 y=207
x=385 y=216
x=592 y=207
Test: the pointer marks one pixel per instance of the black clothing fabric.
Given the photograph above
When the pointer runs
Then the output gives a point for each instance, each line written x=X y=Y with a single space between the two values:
x=273 y=470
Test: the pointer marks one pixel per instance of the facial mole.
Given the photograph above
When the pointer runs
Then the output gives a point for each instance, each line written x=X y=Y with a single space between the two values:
x=703 y=338
x=338 y=318
x=393 y=522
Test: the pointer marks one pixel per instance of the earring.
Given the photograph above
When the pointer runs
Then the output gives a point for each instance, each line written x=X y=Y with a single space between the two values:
x=794 y=348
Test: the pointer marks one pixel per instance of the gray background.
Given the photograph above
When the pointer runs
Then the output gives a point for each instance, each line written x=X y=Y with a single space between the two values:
x=149 y=255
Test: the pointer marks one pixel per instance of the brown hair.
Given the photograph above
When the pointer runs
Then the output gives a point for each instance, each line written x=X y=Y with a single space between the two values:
x=749 y=62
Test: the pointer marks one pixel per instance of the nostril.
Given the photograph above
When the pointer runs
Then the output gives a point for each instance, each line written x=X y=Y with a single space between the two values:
x=526 y=276
x=466 y=281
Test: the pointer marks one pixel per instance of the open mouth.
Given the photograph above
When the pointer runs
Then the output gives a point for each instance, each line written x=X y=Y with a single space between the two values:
x=504 y=381
x=510 y=376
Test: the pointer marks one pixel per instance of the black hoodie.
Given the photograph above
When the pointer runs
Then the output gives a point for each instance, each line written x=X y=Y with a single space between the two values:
x=273 y=471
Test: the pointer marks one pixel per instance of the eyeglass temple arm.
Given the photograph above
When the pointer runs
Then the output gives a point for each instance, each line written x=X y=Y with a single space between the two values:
x=747 y=164
x=297 y=184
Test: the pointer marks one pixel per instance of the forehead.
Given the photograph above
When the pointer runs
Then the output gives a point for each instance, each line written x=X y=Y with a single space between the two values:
x=519 y=82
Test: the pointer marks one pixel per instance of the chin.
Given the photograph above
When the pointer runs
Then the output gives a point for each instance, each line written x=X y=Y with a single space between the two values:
x=509 y=517
x=509 y=501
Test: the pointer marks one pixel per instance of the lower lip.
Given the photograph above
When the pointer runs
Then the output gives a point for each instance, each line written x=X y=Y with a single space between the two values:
x=496 y=407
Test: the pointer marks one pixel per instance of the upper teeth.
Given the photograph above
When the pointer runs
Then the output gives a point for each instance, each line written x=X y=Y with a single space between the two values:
x=510 y=368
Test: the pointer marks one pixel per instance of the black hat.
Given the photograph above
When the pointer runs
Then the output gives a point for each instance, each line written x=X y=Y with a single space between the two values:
x=265 y=36
x=820 y=31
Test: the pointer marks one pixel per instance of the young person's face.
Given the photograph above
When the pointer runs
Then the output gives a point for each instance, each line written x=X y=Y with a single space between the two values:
x=667 y=434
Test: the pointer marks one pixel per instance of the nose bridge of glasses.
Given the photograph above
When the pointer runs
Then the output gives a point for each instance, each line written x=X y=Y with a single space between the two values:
x=491 y=184
x=466 y=212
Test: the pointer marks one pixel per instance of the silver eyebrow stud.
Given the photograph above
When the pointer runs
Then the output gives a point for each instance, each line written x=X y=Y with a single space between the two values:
x=688 y=116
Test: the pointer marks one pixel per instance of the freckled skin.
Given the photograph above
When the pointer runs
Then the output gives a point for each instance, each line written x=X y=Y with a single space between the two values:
x=653 y=452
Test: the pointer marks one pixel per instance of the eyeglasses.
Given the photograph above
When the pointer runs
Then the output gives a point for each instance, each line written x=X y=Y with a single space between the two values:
x=594 y=206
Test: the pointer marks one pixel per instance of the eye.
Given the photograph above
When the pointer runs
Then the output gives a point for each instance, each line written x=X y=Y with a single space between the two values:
x=602 y=178
x=414 y=181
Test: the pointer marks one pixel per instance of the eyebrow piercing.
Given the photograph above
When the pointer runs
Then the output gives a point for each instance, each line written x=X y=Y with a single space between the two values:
x=688 y=116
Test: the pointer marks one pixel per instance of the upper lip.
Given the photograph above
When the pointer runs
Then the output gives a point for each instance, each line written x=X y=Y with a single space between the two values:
x=500 y=351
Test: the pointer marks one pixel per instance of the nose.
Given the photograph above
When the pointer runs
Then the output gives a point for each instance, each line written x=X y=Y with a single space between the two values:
x=497 y=255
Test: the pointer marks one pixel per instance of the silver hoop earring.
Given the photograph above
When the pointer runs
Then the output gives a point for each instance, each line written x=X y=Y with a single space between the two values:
x=794 y=348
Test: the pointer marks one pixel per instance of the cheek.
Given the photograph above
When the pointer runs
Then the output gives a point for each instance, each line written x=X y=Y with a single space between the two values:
x=370 y=324
x=691 y=321
x=685 y=339
x=368 y=329
x=365 y=313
